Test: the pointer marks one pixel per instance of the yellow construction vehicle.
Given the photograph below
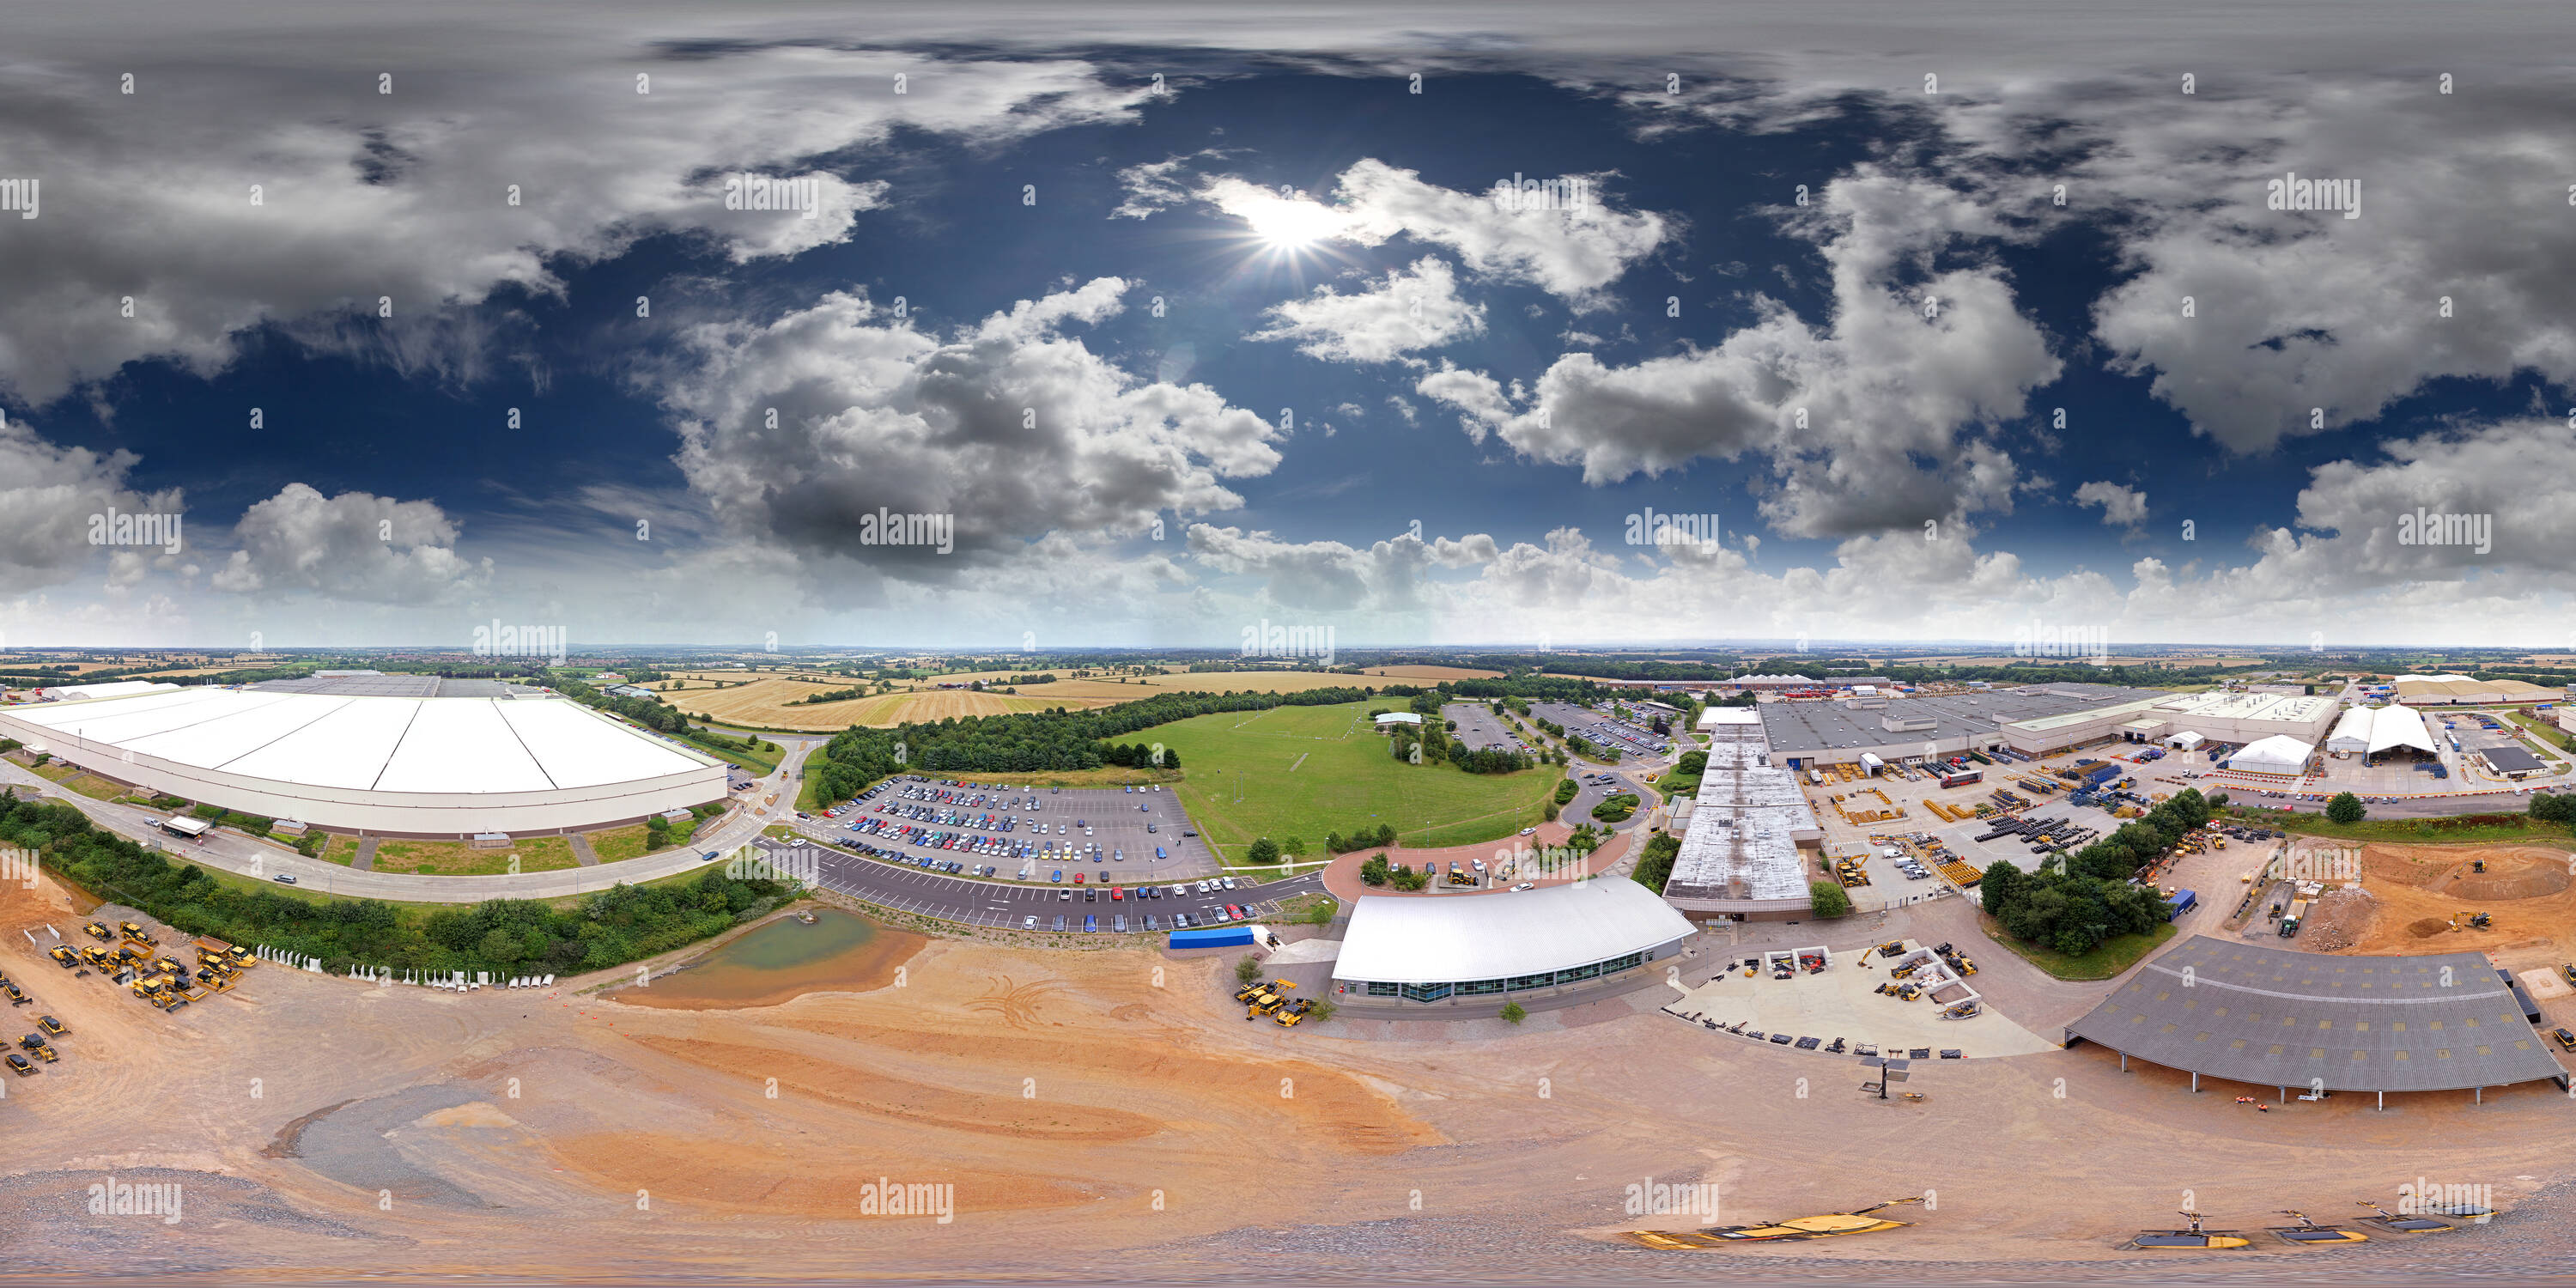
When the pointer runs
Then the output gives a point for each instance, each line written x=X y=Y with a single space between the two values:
x=1292 y=1014
x=2407 y=1224
x=1909 y=992
x=2192 y=1236
x=51 y=1025
x=17 y=995
x=63 y=953
x=2473 y=920
x=1892 y=948
x=95 y=955
x=36 y=1046
x=97 y=930
x=136 y=933
x=1266 y=1004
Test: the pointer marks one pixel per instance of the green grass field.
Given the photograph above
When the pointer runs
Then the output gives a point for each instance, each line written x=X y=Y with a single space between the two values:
x=2111 y=957
x=1308 y=771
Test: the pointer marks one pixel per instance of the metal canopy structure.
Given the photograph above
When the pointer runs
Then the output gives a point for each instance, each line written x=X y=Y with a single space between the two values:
x=2277 y=1018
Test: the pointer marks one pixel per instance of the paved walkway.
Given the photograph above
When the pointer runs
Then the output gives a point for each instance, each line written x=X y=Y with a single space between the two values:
x=366 y=858
x=581 y=849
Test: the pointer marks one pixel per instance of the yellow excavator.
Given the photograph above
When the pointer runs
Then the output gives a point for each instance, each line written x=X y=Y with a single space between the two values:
x=2473 y=921
x=1829 y=1225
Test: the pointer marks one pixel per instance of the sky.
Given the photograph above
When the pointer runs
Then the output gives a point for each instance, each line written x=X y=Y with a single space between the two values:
x=1151 y=326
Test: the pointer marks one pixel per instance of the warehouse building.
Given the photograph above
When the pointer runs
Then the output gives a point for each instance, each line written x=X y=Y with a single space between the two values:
x=2279 y=755
x=2032 y=718
x=2276 y=1018
x=2374 y=731
x=2512 y=762
x=441 y=767
x=1745 y=850
x=2459 y=690
x=1527 y=944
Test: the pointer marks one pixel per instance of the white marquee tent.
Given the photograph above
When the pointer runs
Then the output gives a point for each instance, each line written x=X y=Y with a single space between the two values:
x=2278 y=754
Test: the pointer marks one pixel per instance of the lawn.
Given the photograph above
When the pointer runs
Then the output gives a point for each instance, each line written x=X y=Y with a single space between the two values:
x=2454 y=827
x=1308 y=771
x=74 y=778
x=2115 y=954
x=342 y=850
x=450 y=858
x=632 y=842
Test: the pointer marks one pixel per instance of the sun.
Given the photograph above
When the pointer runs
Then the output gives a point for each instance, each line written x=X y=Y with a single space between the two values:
x=1293 y=225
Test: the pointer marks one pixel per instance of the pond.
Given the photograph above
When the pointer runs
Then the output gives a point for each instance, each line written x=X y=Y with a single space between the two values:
x=786 y=958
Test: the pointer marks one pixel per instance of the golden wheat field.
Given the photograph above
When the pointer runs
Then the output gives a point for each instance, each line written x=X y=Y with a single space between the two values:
x=774 y=704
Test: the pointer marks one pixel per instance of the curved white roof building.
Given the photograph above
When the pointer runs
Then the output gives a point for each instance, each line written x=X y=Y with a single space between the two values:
x=1429 y=948
x=2371 y=730
x=2278 y=754
x=412 y=766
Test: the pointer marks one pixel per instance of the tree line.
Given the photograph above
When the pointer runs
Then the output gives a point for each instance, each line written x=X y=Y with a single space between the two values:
x=2093 y=895
x=609 y=928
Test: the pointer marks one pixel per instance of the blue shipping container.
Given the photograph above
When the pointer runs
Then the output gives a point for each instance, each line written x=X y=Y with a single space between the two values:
x=1213 y=937
x=2183 y=901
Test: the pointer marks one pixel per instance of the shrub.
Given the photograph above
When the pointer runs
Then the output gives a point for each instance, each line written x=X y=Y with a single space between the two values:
x=1264 y=851
x=1830 y=901
x=1512 y=1013
x=2345 y=808
x=1247 y=970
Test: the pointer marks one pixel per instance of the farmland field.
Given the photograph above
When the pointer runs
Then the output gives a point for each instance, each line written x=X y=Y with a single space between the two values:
x=773 y=701
x=1307 y=771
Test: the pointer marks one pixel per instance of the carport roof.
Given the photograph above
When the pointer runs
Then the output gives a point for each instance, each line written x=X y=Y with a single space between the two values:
x=2276 y=1017
x=1438 y=939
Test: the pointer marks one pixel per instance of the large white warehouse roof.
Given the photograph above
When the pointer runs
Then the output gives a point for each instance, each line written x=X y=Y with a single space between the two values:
x=1431 y=940
x=426 y=765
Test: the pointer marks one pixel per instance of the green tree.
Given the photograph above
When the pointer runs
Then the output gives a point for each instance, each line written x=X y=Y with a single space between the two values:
x=1829 y=899
x=1264 y=851
x=1512 y=1013
x=2345 y=808
x=1551 y=811
x=1247 y=970
x=1374 y=870
x=1294 y=847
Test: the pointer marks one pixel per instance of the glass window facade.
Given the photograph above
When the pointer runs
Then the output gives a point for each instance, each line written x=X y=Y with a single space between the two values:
x=1516 y=984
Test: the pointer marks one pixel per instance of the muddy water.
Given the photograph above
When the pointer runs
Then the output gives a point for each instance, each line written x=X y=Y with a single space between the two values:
x=786 y=958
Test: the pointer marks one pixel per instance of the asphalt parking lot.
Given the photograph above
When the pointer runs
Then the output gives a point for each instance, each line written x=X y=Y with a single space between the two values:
x=1099 y=833
x=1479 y=729
x=1010 y=904
x=1633 y=740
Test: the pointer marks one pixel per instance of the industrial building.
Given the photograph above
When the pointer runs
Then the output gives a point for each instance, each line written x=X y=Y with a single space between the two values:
x=110 y=689
x=1744 y=849
x=2036 y=720
x=437 y=766
x=2373 y=731
x=2273 y=1017
x=1524 y=943
x=2512 y=762
x=1763 y=683
x=2460 y=690
x=2279 y=755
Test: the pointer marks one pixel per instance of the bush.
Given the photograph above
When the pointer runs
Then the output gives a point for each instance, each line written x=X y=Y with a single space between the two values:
x=1374 y=871
x=1550 y=812
x=1565 y=790
x=1655 y=862
x=2345 y=808
x=1247 y=970
x=1512 y=1013
x=1830 y=901
x=1617 y=808
x=1263 y=851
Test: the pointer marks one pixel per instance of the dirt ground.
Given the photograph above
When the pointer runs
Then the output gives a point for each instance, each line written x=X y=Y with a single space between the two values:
x=1110 y=1115
x=2415 y=891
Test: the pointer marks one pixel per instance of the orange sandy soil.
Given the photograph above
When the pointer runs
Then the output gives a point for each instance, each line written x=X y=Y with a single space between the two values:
x=1099 y=1113
x=2416 y=889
